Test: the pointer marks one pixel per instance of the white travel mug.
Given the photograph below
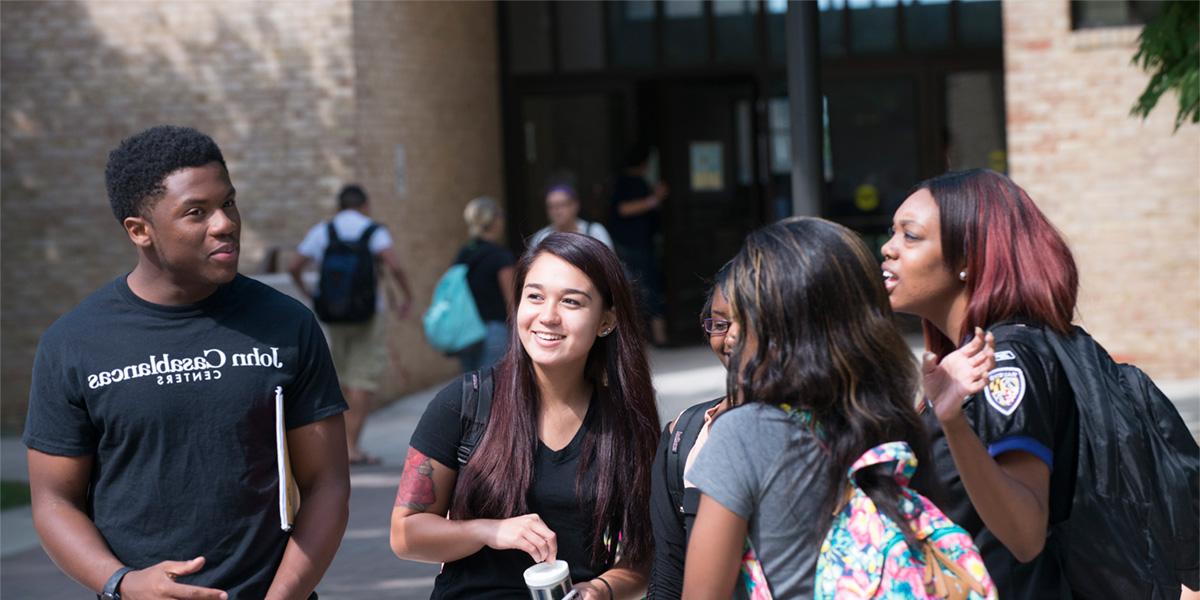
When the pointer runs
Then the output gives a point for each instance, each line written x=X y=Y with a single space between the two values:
x=549 y=581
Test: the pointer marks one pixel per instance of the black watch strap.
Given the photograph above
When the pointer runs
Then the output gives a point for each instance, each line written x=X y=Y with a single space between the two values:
x=110 y=588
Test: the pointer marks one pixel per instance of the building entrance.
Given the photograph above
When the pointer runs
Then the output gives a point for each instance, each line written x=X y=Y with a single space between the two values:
x=909 y=89
x=708 y=156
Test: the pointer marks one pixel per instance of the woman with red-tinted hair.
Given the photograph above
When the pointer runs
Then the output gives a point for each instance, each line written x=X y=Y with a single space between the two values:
x=969 y=253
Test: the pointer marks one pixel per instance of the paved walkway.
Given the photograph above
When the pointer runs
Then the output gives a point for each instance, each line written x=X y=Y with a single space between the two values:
x=365 y=568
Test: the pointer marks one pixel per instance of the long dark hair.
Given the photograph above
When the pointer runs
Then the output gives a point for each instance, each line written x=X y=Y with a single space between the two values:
x=624 y=432
x=1018 y=266
x=809 y=290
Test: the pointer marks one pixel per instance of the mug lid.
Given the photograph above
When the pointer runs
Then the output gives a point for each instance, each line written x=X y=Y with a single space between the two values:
x=547 y=574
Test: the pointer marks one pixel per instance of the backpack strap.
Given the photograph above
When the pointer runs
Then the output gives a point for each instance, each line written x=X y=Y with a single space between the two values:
x=476 y=408
x=331 y=231
x=687 y=429
x=365 y=238
x=892 y=452
x=958 y=584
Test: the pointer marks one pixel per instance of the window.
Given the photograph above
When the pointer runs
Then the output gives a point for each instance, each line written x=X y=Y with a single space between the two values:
x=873 y=27
x=685 y=33
x=581 y=36
x=1089 y=14
x=631 y=32
x=735 y=24
x=528 y=37
x=927 y=25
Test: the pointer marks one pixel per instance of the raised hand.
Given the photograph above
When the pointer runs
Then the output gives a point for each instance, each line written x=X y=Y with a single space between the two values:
x=526 y=532
x=959 y=375
x=158 y=582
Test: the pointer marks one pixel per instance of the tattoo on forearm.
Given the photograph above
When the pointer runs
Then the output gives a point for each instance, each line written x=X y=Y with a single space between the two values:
x=416 y=482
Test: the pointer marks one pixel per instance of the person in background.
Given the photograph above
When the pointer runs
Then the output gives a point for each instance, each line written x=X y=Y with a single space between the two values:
x=819 y=374
x=359 y=348
x=672 y=517
x=490 y=277
x=562 y=208
x=151 y=424
x=562 y=470
x=634 y=223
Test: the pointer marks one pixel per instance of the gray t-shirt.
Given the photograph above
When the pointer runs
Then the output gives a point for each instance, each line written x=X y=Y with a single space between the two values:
x=767 y=468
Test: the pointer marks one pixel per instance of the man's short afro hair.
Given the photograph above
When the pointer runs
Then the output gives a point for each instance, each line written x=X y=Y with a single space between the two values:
x=138 y=167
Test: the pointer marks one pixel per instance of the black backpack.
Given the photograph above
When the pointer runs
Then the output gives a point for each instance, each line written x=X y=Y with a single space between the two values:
x=1134 y=527
x=687 y=429
x=687 y=500
x=476 y=408
x=346 y=293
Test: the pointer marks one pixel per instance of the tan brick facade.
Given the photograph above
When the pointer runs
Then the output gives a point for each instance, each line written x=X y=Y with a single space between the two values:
x=301 y=97
x=1126 y=193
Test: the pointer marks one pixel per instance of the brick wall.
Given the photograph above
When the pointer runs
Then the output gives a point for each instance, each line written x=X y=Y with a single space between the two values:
x=299 y=101
x=427 y=83
x=1126 y=193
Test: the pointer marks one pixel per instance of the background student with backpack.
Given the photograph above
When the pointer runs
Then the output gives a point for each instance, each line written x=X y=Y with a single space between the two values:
x=490 y=278
x=1077 y=477
x=823 y=383
x=562 y=465
x=673 y=499
x=349 y=249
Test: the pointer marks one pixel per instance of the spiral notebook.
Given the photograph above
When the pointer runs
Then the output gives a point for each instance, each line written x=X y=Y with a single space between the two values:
x=289 y=494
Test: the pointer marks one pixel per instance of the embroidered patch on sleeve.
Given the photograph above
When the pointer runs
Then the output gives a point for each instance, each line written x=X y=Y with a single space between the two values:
x=1005 y=355
x=1005 y=389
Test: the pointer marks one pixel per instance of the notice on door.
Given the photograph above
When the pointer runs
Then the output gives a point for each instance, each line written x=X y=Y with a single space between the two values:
x=707 y=167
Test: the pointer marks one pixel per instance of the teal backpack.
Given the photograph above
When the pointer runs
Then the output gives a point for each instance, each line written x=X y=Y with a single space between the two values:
x=452 y=322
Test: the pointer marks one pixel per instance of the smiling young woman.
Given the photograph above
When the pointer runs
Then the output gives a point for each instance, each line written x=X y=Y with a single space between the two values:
x=563 y=468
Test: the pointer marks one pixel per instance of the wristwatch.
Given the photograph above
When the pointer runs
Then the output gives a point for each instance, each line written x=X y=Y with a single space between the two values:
x=110 y=589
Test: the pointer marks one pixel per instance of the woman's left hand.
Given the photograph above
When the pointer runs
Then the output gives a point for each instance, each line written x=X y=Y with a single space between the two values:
x=958 y=376
x=591 y=590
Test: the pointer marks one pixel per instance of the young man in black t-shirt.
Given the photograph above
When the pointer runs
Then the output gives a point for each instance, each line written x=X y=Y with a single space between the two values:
x=151 y=425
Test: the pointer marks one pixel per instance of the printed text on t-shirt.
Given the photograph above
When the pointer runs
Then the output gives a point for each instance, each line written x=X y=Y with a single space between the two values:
x=204 y=367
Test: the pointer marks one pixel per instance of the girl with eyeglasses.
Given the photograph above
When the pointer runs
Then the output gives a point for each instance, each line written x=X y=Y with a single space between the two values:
x=673 y=499
x=819 y=375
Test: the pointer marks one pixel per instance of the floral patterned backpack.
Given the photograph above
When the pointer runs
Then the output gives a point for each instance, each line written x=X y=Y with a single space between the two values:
x=865 y=554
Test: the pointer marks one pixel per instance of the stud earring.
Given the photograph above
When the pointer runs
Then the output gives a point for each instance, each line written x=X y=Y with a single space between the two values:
x=605 y=332
x=962 y=275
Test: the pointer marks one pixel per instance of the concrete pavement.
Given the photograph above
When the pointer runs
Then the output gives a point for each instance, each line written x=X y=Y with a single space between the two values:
x=365 y=568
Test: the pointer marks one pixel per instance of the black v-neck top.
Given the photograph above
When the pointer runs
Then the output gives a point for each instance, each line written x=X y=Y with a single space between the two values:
x=567 y=511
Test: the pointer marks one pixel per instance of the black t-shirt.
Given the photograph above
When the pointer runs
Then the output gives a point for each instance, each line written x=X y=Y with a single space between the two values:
x=1028 y=406
x=484 y=261
x=635 y=233
x=177 y=406
x=493 y=573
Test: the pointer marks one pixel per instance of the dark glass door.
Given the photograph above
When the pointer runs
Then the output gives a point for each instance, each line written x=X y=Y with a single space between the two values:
x=708 y=157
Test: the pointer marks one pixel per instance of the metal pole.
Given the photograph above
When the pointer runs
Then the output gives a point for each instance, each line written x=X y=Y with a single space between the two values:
x=804 y=99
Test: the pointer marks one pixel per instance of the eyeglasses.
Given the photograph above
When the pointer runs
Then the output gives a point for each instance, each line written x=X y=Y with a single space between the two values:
x=715 y=326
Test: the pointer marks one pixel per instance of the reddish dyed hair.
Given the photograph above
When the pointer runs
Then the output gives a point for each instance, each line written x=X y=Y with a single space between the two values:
x=620 y=442
x=1018 y=265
